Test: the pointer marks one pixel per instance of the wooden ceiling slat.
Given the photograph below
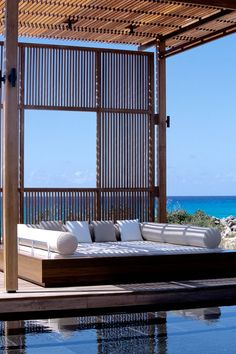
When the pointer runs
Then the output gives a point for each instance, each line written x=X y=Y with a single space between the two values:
x=108 y=21
x=199 y=24
x=226 y=4
x=191 y=43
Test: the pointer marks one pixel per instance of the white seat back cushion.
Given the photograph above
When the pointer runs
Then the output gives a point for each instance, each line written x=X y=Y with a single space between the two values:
x=54 y=225
x=181 y=234
x=80 y=229
x=104 y=231
x=129 y=230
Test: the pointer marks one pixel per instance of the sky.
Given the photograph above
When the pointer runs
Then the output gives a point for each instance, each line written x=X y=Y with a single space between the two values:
x=201 y=100
x=201 y=143
x=60 y=149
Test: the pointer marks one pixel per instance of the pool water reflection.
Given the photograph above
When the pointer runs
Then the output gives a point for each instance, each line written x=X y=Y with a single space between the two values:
x=207 y=330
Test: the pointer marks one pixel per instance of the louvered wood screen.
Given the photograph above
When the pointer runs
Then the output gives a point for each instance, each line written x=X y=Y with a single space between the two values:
x=59 y=78
x=126 y=136
x=119 y=87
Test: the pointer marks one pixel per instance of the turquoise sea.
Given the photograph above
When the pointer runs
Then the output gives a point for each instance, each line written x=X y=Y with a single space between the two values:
x=218 y=206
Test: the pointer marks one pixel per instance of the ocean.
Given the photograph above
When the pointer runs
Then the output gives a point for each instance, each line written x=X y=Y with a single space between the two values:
x=218 y=206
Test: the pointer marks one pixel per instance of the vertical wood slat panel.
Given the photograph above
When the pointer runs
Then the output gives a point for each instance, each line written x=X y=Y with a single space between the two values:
x=152 y=160
x=68 y=80
x=81 y=204
x=127 y=150
x=126 y=138
x=59 y=204
x=125 y=81
x=123 y=150
x=98 y=135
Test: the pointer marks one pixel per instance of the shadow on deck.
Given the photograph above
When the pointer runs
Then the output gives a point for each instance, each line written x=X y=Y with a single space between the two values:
x=33 y=301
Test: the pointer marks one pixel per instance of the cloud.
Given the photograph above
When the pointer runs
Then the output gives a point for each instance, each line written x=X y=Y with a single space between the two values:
x=192 y=157
x=85 y=178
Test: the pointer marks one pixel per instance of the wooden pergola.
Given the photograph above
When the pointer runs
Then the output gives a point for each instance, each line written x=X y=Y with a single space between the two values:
x=170 y=26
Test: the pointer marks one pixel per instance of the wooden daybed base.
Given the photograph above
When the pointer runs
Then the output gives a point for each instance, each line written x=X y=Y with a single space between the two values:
x=124 y=269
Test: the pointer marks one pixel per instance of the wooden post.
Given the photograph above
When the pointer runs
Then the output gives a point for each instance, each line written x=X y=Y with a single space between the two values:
x=10 y=149
x=152 y=168
x=14 y=336
x=161 y=96
x=21 y=82
x=98 y=135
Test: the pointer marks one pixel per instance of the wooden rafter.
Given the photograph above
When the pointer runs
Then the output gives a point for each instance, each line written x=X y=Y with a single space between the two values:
x=77 y=29
x=185 y=29
x=76 y=19
x=199 y=41
x=224 y=4
x=197 y=24
x=106 y=12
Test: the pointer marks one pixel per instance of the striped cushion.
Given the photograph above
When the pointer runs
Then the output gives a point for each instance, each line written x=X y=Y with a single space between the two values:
x=181 y=234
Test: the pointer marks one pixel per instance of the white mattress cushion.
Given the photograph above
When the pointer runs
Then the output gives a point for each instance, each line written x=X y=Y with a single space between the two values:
x=80 y=229
x=129 y=230
x=61 y=242
x=121 y=249
x=181 y=234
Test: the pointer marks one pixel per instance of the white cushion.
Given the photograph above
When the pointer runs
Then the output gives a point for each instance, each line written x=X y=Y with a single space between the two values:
x=80 y=229
x=104 y=231
x=186 y=235
x=52 y=225
x=57 y=241
x=34 y=226
x=129 y=230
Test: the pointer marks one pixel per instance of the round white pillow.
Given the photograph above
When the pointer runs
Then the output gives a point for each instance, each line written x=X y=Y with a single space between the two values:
x=61 y=242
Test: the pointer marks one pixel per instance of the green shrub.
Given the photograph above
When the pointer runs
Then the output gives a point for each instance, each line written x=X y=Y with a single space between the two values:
x=199 y=218
x=178 y=217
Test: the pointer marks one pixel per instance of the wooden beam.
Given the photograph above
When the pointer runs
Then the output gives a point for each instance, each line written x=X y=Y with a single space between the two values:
x=161 y=96
x=10 y=149
x=223 y=4
x=147 y=45
x=185 y=29
x=201 y=40
x=196 y=24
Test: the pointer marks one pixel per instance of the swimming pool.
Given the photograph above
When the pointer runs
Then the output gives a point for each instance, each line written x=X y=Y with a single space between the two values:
x=205 y=330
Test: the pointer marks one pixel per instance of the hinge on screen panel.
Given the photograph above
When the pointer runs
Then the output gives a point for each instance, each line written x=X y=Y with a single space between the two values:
x=2 y=78
x=156 y=119
x=156 y=191
x=168 y=121
x=12 y=77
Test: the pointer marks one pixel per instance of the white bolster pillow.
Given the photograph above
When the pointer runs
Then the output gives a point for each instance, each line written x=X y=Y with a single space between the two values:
x=60 y=242
x=185 y=235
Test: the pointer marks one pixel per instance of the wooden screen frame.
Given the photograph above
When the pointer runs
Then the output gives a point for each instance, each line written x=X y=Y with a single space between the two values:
x=32 y=99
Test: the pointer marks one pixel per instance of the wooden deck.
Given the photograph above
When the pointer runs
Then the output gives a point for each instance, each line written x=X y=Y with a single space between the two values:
x=33 y=301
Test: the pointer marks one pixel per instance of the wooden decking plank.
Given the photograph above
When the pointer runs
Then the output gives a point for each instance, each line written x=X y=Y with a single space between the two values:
x=36 y=300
